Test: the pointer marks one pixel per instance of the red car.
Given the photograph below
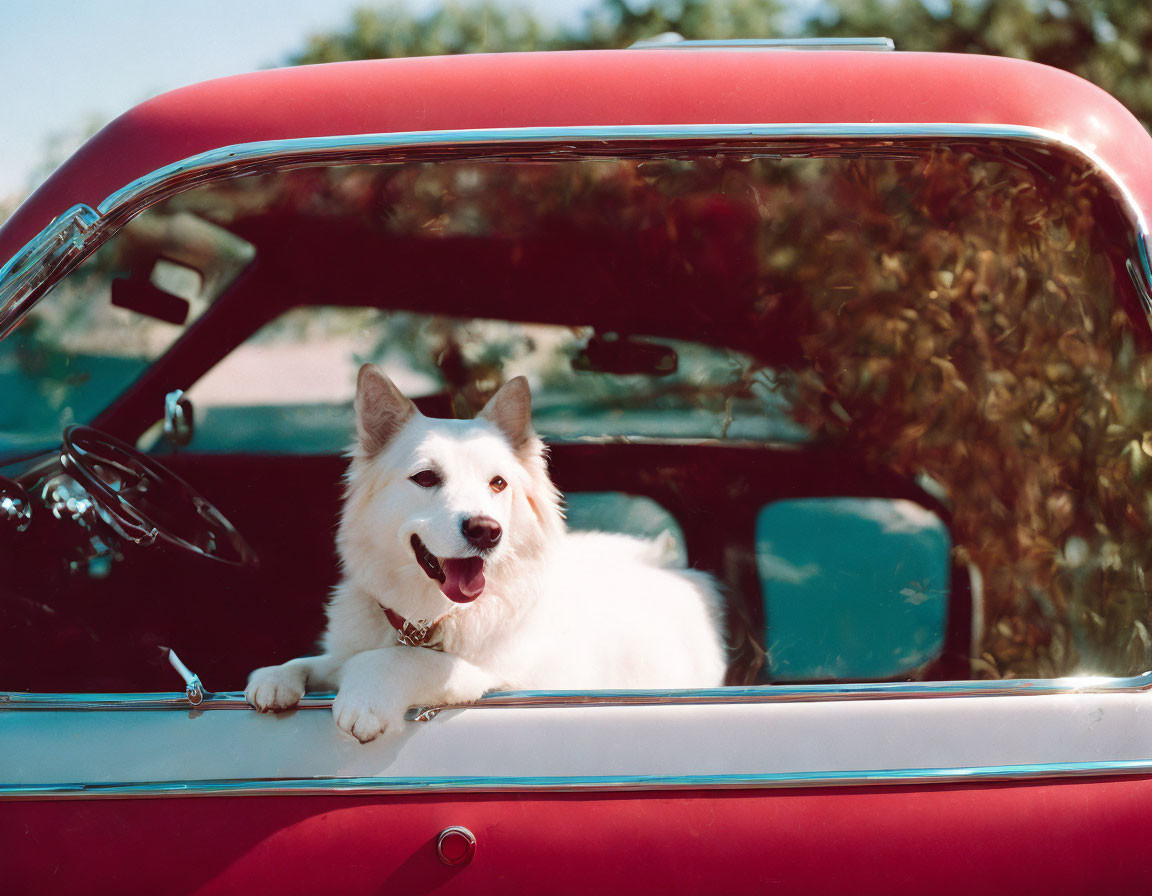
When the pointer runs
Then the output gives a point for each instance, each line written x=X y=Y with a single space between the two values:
x=865 y=334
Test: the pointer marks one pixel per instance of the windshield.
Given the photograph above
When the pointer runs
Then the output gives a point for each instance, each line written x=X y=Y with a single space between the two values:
x=107 y=322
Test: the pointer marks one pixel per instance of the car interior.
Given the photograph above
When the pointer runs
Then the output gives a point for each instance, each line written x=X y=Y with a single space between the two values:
x=835 y=382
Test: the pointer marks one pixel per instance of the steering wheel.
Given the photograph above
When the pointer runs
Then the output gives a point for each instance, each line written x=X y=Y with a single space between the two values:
x=147 y=501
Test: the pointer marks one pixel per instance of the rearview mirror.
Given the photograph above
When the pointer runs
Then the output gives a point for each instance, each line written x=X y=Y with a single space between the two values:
x=624 y=355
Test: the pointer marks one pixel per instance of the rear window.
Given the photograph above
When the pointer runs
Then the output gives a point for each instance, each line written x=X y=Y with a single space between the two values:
x=289 y=388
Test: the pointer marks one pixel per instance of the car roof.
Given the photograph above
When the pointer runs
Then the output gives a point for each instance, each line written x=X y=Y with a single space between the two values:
x=605 y=89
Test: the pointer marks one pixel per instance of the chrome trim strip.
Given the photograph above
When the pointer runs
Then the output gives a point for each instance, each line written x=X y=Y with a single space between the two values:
x=14 y=701
x=17 y=295
x=800 y=693
x=787 y=43
x=771 y=780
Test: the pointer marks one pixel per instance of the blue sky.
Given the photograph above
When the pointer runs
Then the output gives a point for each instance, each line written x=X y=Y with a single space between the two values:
x=68 y=65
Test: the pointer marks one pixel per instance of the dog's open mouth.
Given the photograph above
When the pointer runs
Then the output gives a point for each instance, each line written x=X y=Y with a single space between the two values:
x=461 y=578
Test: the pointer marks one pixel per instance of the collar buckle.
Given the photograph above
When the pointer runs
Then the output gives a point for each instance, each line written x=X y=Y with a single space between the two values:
x=411 y=634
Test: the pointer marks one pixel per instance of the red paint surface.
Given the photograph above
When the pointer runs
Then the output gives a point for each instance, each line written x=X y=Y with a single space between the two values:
x=594 y=88
x=1053 y=838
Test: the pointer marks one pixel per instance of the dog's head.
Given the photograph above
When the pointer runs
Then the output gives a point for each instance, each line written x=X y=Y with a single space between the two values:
x=439 y=508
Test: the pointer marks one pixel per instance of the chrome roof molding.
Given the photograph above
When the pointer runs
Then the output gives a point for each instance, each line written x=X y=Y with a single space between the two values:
x=71 y=237
x=354 y=786
x=794 y=693
x=672 y=40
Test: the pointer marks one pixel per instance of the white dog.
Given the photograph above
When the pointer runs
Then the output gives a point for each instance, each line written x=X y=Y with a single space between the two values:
x=460 y=578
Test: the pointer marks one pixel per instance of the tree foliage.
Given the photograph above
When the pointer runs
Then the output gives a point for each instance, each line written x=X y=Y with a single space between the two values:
x=453 y=28
x=1105 y=41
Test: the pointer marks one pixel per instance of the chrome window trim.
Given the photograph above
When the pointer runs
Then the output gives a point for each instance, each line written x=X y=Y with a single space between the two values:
x=798 y=693
x=53 y=249
x=1141 y=275
x=360 y=786
x=18 y=292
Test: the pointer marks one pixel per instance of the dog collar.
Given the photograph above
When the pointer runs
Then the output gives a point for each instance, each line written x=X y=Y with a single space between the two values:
x=414 y=634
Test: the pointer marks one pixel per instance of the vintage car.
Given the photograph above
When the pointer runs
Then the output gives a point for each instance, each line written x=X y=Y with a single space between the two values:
x=865 y=334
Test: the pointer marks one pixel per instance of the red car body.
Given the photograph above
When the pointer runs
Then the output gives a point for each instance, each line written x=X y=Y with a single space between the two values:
x=1052 y=824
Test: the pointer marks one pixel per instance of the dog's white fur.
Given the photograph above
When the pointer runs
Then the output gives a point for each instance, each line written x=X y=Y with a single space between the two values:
x=558 y=610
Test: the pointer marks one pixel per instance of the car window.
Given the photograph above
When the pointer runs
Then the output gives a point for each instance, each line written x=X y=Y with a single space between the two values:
x=814 y=322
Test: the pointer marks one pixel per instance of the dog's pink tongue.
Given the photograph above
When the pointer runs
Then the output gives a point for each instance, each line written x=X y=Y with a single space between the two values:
x=463 y=579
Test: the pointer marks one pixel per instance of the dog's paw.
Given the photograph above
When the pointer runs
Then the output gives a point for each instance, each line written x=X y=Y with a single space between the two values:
x=365 y=719
x=274 y=689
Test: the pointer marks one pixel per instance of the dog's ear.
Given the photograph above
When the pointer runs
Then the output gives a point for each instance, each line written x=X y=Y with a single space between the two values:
x=381 y=410
x=510 y=409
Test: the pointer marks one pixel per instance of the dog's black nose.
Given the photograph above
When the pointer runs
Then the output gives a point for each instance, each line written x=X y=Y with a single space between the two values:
x=482 y=531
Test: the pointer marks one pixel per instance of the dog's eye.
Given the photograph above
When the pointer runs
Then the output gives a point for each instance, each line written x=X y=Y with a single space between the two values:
x=498 y=484
x=425 y=479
